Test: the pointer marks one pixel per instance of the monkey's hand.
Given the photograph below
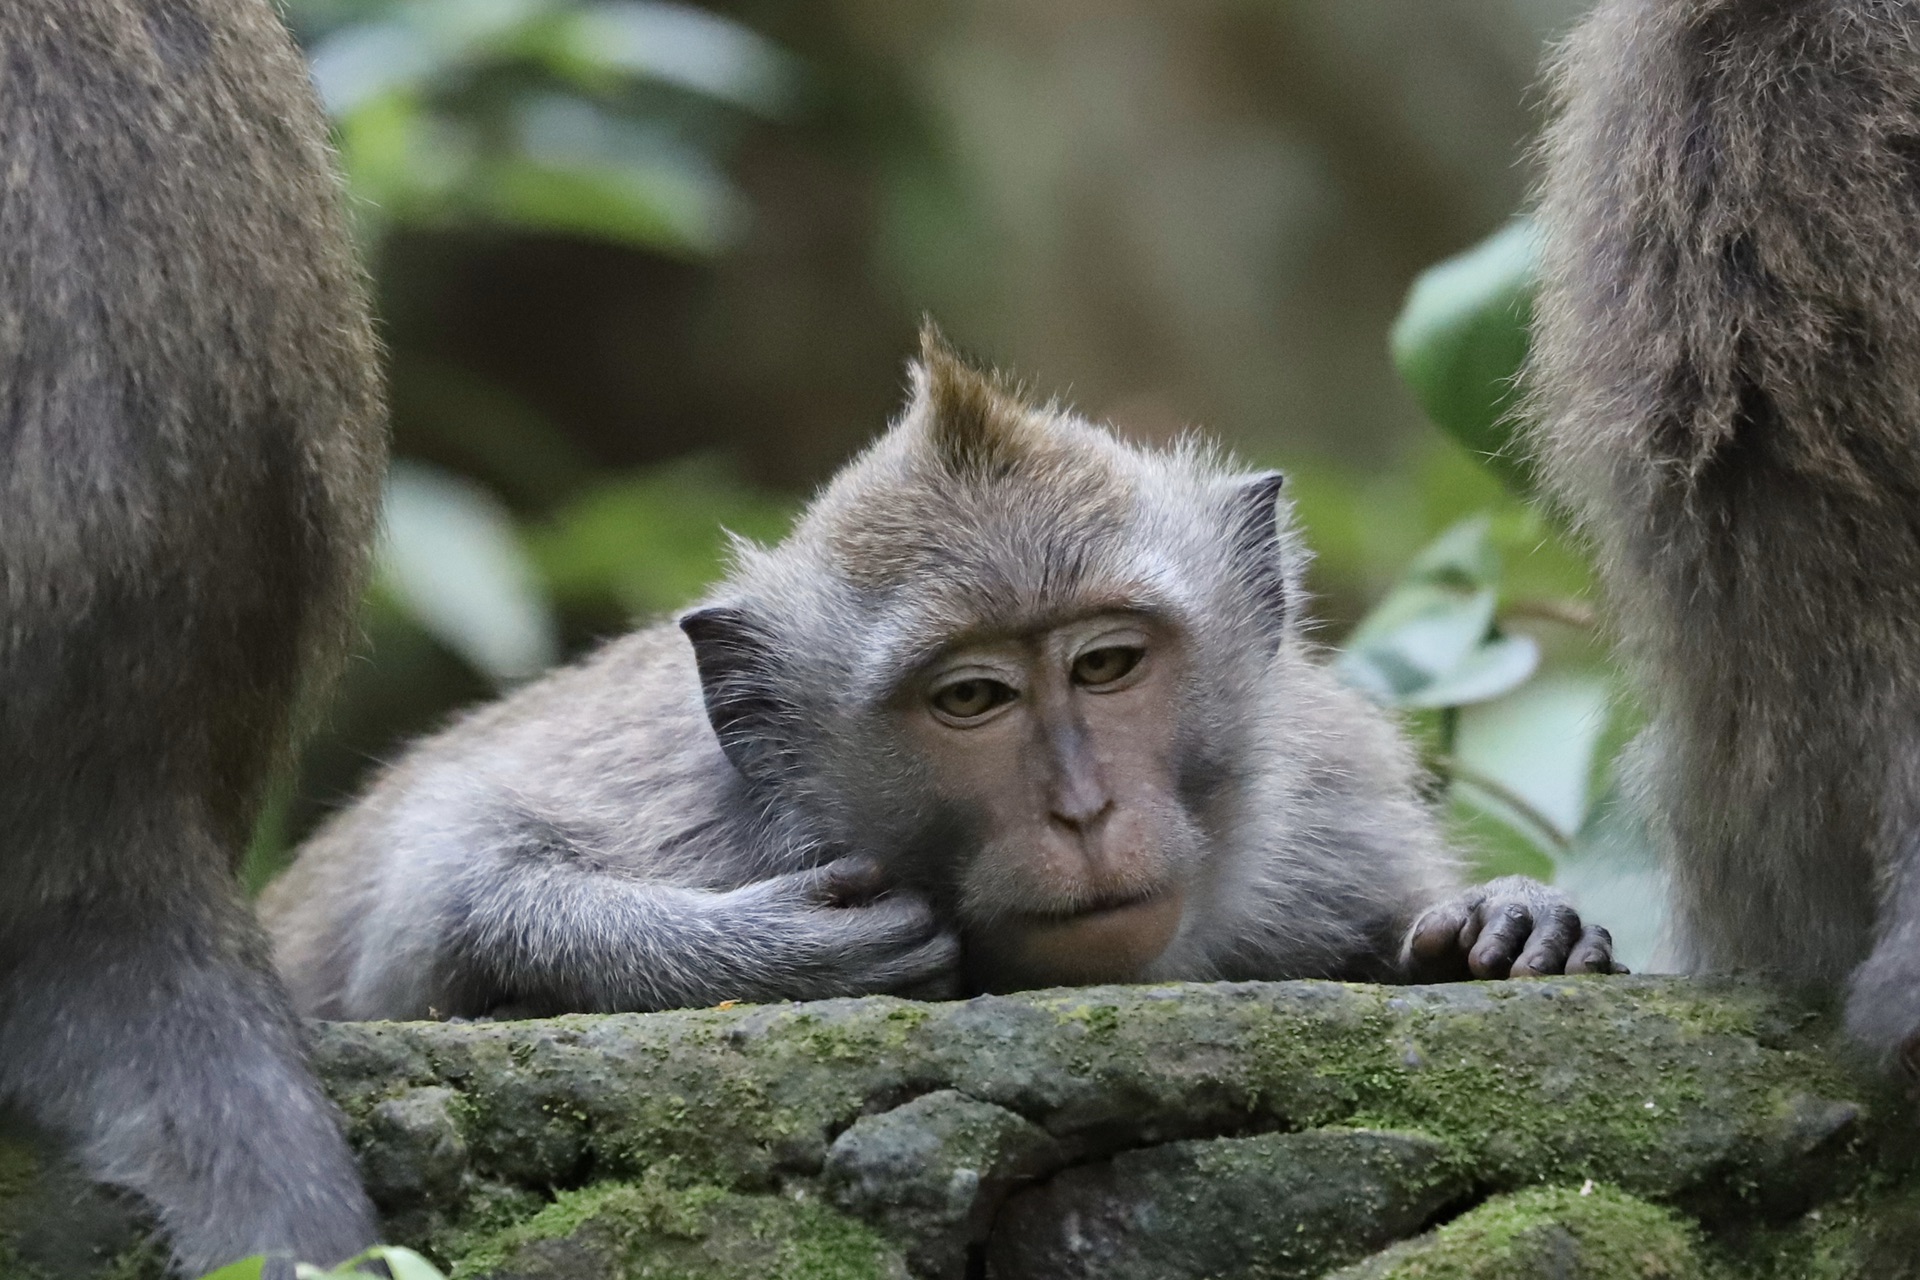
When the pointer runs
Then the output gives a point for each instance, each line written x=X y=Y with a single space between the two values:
x=840 y=930
x=1512 y=927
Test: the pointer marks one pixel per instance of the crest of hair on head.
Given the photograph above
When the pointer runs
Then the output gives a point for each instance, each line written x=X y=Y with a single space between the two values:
x=975 y=423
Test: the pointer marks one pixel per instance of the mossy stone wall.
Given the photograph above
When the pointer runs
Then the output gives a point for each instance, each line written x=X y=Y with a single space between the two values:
x=1583 y=1127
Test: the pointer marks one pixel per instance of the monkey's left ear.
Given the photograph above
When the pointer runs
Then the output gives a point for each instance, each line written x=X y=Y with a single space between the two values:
x=1257 y=548
x=739 y=667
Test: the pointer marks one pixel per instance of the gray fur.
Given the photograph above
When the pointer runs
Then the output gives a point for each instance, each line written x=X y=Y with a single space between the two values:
x=190 y=444
x=643 y=830
x=1727 y=383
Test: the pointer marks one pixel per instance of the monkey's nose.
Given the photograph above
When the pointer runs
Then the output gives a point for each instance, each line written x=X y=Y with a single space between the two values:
x=1081 y=809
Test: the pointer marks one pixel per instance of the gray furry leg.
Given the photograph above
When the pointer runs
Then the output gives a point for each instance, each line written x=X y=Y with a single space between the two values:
x=1883 y=996
x=158 y=1048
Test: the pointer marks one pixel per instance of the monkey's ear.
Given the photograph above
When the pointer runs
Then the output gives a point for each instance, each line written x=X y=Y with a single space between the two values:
x=739 y=667
x=1257 y=548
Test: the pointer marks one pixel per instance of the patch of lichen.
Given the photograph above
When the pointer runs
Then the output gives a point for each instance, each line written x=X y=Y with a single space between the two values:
x=1591 y=1233
x=650 y=1228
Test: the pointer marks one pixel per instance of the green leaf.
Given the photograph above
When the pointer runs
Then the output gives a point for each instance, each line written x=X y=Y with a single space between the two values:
x=1431 y=642
x=1538 y=744
x=453 y=558
x=1492 y=841
x=1418 y=633
x=662 y=206
x=405 y=1264
x=1464 y=554
x=1499 y=666
x=680 y=45
x=402 y=1264
x=651 y=542
x=1461 y=339
x=245 y=1269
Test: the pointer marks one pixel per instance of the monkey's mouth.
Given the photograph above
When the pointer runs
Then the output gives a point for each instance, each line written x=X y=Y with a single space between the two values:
x=1120 y=900
x=1107 y=939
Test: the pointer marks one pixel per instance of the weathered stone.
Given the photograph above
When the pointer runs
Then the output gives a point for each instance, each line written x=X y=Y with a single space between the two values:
x=1664 y=1087
x=53 y=1223
x=932 y=1174
x=1557 y=1233
x=1275 y=1207
x=523 y=1143
x=650 y=1231
x=412 y=1150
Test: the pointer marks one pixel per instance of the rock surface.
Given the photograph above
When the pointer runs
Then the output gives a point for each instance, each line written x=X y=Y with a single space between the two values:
x=1587 y=1127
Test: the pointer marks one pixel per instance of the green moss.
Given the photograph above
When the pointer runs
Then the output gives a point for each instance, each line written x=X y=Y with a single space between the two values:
x=650 y=1230
x=19 y=1170
x=1872 y=1234
x=1595 y=1233
x=1713 y=1096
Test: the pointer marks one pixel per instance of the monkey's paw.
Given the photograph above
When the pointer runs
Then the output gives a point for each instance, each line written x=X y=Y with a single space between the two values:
x=1508 y=928
x=841 y=930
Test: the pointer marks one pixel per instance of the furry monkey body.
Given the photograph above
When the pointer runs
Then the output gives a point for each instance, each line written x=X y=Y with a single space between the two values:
x=1015 y=705
x=191 y=439
x=1726 y=381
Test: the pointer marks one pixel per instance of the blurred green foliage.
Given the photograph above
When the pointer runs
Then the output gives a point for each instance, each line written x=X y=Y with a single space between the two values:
x=598 y=119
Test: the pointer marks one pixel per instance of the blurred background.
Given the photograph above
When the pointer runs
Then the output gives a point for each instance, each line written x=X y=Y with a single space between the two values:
x=647 y=270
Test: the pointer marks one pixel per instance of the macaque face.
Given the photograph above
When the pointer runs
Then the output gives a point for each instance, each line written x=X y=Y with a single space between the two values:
x=1059 y=746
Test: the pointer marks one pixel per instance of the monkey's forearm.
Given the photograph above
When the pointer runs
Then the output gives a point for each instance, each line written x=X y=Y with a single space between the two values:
x=546 y=936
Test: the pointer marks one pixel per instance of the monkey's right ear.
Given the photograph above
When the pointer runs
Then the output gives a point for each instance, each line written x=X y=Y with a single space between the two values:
x=1257 y=547
x=738 y=667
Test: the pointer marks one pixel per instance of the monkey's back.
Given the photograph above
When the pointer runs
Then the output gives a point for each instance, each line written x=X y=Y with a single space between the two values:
x=608 y=766
x=191 y=430
x=1727 y=377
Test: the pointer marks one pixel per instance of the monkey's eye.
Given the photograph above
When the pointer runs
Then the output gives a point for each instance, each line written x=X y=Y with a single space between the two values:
x=971 y=698
x=1101 y=666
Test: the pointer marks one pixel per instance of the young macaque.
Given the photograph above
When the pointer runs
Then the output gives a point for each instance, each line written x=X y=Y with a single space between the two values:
x=1726 y=386
x=1015 y=705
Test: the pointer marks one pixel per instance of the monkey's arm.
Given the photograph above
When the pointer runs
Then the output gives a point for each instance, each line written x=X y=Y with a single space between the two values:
x=547 y=938
x=540 y=927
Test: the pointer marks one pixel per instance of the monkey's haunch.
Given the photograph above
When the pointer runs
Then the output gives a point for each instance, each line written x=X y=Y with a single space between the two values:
x=190 y=445
x=1726 y=386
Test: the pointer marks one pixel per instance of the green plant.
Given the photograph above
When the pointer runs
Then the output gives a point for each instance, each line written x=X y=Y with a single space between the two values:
x=1503 y=675
x=401 y=1264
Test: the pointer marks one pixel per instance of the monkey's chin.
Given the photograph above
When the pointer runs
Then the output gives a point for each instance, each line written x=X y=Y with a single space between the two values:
x=1111 y=944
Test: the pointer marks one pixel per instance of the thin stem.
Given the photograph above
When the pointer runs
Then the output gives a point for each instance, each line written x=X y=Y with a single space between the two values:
x=1561 y=841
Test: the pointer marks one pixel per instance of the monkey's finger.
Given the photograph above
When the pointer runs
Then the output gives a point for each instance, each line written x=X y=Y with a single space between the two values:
x=892 y=923
x=842 y=882
x=1910 y=1056
x=1436 y=935
x=1501 y=938
x=931 y=971
x=1593 y=953
x=1554 y=936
